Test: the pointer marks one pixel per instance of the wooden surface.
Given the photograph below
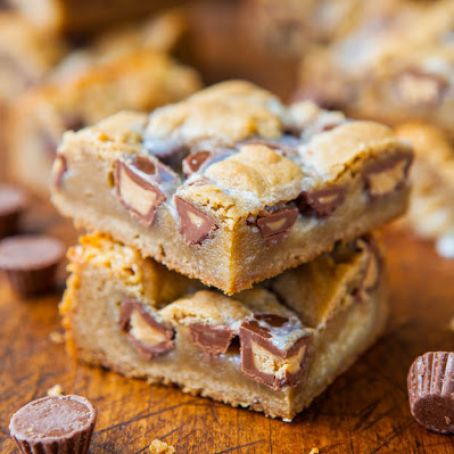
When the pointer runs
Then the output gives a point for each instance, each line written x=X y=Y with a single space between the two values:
x=364 y=411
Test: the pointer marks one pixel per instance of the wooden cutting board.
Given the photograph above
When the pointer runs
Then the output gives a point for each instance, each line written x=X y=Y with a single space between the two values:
x=364 y=411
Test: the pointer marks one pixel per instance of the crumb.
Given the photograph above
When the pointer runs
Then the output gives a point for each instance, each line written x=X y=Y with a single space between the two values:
x=161 y=447
x=451 y=325
x=56 y=390
x=314 y=451
x=57 y=337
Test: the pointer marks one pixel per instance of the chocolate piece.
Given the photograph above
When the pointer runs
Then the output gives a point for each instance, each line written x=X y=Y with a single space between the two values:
x=194 y=161
x=12 y=204
x=321 y=202
x=420 y=88
x=262 y=360
x=31 y=263
x=431 y=391
x=54 y=424
x=59 y=170
x=275 y=226
x=169 y=152
x=149 y=337
x=212 y=339
x=195 y=225
x=137 y=187
x=386 y=176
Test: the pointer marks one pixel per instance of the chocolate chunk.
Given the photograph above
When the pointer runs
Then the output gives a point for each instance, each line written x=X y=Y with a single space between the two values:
x=12 y=204
x=212 y=339
x=31 y=262
x=194 y=161
x=149 y=337
x=266 y=363
x=54 y=424
x=275 y=226
x=137 y=187
x=167 y=151
x=386 y=176
x=321 y=202
x=58 y=172
x=431 y=391
x=419 y=88
x=195 y=225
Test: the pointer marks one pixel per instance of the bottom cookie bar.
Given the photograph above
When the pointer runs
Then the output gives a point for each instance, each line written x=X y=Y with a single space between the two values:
x=272 y=349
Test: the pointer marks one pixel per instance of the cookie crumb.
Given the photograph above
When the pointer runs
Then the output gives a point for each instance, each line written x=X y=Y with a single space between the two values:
x=314 y=451
x=160 y=447
x=451 y=325
x=57 y=337
x=56 y=390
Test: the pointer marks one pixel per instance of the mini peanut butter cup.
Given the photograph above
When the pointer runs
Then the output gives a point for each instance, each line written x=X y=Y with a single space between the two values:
x=54 y=424
x=12 y=204
x=431 y=391
x=30 y=263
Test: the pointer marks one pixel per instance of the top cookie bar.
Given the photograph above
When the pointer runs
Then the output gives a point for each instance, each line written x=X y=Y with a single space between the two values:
x=230 y=186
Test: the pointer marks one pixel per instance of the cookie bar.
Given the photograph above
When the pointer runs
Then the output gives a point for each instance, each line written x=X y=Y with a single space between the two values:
x=290 y=26
x=431 y=209
x=141 y=80
x=390 y=72
x=82 y=16
x=272 y=349
x=157 y=33
x=230 y=186
x=26 y=55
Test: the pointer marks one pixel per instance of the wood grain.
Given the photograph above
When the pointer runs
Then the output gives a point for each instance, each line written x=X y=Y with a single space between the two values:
x=364 y=411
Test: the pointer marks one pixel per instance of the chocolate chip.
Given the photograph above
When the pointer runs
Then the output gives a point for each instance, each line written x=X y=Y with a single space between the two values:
x=431 y=391
x=321 y=202
x=388 y=175
x=266 y=363
x=54 y=424
x=59 y=170
x=195 y=225
x=12 y=204
x=137 y=187
x=212 y=339
x=31 y=262
x=149 y=337
x=419 y=88
x=167 y=151
x=194 y=161
x=275 y=226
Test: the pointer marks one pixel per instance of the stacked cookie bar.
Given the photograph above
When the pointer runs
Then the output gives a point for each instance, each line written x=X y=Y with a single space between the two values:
x=199 y=201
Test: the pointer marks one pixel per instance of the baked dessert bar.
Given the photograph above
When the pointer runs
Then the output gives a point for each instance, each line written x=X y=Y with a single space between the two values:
x=141 y=80
x=157 y=33
x=26 y=55
x=272 y=349
x=230 y=186
x=431 y=209
x=82 y=16
x=290 y=26
x=392 y=72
